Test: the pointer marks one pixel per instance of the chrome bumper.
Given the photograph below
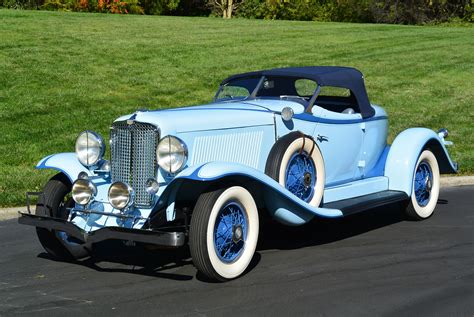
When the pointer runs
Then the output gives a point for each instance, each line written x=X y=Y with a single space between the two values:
x=161 y=238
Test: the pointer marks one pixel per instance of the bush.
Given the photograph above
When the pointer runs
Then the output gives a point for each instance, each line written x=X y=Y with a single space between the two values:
x=21 y=4
x=109 y=6
x=192 y=8
x=59 y=5
x=318 y=10
x=159 y=7
x=378 y=11
x=420 y=11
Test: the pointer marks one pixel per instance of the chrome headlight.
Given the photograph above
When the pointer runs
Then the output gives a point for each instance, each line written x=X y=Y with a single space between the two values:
x=120 y=195
x=171 y=154
x=83 y=191
x=90 y=148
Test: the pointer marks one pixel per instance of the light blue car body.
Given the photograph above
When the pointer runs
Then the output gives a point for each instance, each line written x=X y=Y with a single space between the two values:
x=230 y=141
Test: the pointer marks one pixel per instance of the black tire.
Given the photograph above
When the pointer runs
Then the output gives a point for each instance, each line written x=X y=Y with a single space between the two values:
x=287 y=145
x=203 y=221
x=53 y=203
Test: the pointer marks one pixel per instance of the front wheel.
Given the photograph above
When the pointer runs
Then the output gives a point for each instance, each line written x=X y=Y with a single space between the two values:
x=55 y=202
x=425 y=189
x=224 y=232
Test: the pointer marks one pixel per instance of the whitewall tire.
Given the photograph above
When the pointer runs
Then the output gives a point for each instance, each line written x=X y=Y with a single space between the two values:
x=295 y=162
x=224 y=232
x=425 y=188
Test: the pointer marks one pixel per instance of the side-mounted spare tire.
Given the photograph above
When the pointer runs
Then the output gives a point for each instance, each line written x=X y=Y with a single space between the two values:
x=54 y=203
x=295 y=162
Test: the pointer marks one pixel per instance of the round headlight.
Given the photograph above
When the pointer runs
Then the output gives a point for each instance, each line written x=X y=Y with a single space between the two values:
x=171 y=154
x=90 y=148
x=83 y=190
x=120 y=195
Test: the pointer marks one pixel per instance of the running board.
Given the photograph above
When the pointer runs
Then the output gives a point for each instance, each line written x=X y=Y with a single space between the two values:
x=361 y=203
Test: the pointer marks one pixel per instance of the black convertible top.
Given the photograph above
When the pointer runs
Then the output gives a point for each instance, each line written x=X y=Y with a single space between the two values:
x=335 y=76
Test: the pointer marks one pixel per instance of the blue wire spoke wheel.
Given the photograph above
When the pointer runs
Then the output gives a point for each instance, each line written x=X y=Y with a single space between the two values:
x=297 y=164
x=223 y=233
x=301 y=176
x=425 y=189
x=423 y=183
x=230 y=232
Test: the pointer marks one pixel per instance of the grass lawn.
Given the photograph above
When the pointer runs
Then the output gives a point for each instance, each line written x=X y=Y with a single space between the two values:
x=61 y=73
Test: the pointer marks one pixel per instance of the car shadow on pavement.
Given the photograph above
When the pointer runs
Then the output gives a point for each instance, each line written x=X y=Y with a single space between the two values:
x=116 y=256
x=325 y=230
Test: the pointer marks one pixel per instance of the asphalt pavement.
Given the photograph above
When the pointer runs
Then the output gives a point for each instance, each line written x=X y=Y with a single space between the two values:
x=374 y=263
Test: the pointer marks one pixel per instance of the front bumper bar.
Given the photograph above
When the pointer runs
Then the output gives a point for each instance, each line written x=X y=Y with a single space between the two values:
x=162 y=238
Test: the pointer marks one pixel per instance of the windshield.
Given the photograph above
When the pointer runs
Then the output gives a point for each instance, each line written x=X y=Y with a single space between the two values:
x=238 y=89
x=271 y=87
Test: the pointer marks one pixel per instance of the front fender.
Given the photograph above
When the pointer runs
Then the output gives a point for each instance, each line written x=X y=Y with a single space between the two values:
x=403 y=156
x=281 y=203
x=66 y=163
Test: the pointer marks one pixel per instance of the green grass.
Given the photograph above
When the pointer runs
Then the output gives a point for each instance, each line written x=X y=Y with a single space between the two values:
x=61 y=73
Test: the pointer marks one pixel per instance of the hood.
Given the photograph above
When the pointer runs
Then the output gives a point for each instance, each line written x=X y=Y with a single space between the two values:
x=214 y=116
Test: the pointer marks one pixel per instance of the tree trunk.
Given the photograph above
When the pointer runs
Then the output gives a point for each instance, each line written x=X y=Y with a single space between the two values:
x=230 y=7
x=222 y=7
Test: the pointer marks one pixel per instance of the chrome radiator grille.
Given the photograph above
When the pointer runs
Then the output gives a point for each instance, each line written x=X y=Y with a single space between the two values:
x=133 y=157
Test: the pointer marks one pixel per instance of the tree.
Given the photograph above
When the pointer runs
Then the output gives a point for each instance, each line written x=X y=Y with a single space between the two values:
x=225 y=8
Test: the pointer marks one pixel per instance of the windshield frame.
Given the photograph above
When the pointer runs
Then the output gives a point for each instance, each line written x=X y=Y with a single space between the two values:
x=253 y=94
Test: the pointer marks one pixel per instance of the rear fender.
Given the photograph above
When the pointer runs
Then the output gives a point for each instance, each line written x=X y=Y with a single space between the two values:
x=403 y=156
x=66 y=163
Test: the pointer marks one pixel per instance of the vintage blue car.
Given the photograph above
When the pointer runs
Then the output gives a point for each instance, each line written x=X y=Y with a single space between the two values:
x=297 y=143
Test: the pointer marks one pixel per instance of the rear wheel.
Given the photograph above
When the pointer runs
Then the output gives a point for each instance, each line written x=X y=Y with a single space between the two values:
x=425 y=189
x=224 y=232
x=54 y=203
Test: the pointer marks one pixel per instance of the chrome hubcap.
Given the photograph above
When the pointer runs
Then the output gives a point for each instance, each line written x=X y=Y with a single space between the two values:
x=428 y=184
x=238 y=233
x=307 y=179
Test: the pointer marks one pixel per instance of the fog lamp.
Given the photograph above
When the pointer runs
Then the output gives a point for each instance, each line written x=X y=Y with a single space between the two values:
x=83 y=191
x=120 y=195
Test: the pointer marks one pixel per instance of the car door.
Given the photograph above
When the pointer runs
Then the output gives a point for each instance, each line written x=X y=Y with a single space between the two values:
x=339 y=137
